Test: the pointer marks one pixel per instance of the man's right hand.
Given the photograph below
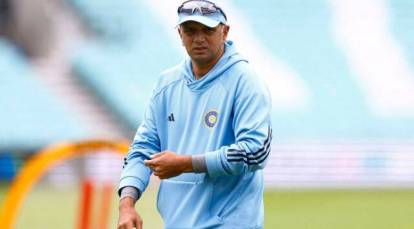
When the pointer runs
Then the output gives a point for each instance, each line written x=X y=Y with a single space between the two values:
x=128 y=216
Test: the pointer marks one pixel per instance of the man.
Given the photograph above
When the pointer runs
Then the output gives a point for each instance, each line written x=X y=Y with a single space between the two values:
x=206 y=134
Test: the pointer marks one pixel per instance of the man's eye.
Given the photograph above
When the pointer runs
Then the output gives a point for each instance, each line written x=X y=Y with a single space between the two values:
x=209 y=30
x=189 y=31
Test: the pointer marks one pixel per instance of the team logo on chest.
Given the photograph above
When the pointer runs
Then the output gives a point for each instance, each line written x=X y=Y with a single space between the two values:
x=211 y=118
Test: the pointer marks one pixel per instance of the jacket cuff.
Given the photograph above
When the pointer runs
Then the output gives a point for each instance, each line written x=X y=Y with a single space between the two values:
x=130 y=191
x=214 y=165
x=132 y=182
x=199 y=163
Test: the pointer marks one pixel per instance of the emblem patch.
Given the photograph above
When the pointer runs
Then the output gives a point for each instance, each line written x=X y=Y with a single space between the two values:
x=211 y=118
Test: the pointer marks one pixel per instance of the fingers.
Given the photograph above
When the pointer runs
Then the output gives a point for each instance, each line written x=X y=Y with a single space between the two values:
x=138 y=223
x=152 y=162
x=157 y=155
x=128 y=225
x=148 y=162
x=130 y=220
x=163 y=175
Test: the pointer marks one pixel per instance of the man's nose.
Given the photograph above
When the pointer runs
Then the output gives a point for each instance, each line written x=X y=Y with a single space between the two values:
x=199 y=37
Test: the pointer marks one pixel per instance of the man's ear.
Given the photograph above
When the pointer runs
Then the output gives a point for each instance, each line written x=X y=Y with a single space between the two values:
x=181 y=36
x=226 y=30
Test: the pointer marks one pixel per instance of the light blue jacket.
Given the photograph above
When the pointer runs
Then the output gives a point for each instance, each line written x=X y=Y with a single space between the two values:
x=226 y=116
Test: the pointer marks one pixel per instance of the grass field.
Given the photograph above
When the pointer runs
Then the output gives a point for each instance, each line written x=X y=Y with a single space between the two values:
x=346 y=209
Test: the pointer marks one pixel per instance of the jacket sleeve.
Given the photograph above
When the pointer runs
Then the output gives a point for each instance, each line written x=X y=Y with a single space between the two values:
x=252 y=130
x=146 y=142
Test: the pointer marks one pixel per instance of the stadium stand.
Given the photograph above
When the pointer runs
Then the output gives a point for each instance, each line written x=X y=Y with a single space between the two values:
x=301 y=34
x=112 y=20
x=340 y=138
x=116 y=68
x=401 y=21
x=122 y=72
x=30 y=116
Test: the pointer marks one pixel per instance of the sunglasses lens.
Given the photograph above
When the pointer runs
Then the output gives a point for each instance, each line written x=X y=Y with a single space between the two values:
x=203 y=7
x=199 y=4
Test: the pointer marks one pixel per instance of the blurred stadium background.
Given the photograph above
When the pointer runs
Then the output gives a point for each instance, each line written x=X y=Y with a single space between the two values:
x=341 y=74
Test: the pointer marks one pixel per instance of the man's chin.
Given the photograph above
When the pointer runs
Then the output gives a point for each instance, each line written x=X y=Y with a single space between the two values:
x=200 y=59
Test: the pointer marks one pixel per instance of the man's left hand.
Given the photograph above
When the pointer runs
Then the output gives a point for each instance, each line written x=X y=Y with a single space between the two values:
x=168 y=164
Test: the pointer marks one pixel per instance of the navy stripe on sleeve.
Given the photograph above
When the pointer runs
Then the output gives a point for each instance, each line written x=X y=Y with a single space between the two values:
x=235 y=155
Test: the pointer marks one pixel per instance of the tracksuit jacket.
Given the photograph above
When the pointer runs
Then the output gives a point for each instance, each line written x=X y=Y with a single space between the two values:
x=224 y=116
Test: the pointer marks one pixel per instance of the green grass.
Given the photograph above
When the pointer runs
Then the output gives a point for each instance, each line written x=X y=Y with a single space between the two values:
x=46 y=207
x=340 y=209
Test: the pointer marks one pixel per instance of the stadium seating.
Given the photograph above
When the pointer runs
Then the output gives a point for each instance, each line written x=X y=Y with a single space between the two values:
x=116 y=69
x=301 y=34
x=402 y=12
x=112 y=20
x=337 y=139
x=30 y=117
x=123 y=73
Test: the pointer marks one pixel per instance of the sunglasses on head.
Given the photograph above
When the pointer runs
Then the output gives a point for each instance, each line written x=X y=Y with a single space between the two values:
x=203 y=6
